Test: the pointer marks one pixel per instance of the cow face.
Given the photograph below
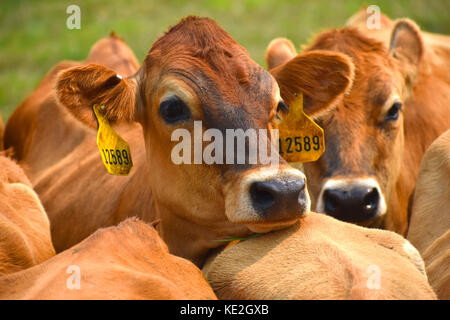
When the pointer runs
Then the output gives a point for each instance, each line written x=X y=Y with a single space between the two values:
x=355 y=178
x=195 y=79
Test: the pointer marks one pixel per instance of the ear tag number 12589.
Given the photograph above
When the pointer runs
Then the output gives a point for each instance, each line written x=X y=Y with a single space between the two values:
x=114 y=150
x=301 y=139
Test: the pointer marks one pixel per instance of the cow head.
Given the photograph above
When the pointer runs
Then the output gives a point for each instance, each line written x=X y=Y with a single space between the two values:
x=355 y=178
x=197 y=72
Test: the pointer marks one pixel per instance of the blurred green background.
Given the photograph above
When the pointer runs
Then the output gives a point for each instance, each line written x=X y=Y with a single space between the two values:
x=34 y=37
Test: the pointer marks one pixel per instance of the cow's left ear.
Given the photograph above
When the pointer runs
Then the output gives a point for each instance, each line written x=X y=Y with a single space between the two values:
x=407 y=46
x=79 y=88
x=321 y=76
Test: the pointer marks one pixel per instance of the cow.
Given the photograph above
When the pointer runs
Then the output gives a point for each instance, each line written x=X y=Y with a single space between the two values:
x=128 y=261
x=377 y=134
x=429 y=229
x=24 y=226
x=39 y=132
x=320 y=258
x=194 y=72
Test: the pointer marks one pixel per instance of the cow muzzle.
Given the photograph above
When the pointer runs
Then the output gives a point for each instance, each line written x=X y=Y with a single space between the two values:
x=353 y=200
x=268 y=199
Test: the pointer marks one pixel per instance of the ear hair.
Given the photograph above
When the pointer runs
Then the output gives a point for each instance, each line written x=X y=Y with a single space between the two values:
x=79 y=88
x=406 y=46
x=322 y=76
x=406 y=41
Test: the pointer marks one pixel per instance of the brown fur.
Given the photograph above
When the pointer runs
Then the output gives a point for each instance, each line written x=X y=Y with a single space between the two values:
x=358 y=144
x=222 y=86
x=321 y=258
x=437 y=261
x=24 y=227
x=299 y=67
x=129 y=261
x=283 y=50
x=430 y=218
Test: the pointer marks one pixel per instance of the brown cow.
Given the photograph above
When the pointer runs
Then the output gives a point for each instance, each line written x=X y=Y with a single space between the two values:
x=196 y=71
x=129 y=261
x=24 y=227
x=376 y=136
x=39 y=131
x=429 y=229
x=320 y=258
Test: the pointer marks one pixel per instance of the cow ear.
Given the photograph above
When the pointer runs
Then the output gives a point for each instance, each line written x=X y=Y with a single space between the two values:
x=406 y=46
x=79 y=88
x=322 y=76
x=279 y=51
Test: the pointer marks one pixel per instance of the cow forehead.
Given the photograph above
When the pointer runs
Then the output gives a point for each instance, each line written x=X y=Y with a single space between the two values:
x=233 y=90
x=229 y=104
x=377 y=77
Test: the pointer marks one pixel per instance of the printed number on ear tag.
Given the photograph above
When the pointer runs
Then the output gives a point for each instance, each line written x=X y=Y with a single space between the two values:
x=301 y=139
x=114 y=150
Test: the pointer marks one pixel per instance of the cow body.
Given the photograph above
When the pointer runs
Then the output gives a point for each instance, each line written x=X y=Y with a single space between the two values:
x=377 y=134
x=196 y=71
x=429 y=229
x=321 y=258
x=129 y=261
x=24 y=227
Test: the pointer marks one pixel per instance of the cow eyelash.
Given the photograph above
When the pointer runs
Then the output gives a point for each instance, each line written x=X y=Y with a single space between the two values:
x=282 y=106
x=393 y=112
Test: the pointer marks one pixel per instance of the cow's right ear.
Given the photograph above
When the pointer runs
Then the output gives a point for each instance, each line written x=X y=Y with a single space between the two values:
x=79 y=88
x=406 y=46
x=279 y=51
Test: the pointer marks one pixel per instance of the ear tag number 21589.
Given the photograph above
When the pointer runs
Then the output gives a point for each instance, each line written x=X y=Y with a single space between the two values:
x=301 y=139
x=114 y=150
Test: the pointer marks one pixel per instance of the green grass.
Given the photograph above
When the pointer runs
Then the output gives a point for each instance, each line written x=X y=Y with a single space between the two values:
x=34 y=37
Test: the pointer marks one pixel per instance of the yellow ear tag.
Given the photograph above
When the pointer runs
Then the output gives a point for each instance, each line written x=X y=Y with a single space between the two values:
x=114 y=150
x=301 y=139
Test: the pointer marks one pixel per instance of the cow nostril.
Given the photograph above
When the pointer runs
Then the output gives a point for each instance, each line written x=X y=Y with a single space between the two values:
x=371 y=199
x=331 y=201
x=262 y=195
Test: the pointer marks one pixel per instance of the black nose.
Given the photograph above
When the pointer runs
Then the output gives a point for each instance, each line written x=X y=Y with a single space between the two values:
x=355 y=205
x=279 y=199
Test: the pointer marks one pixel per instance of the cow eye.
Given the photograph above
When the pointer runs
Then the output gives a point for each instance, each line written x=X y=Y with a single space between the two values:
x=393 y=112
x=174 y=110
